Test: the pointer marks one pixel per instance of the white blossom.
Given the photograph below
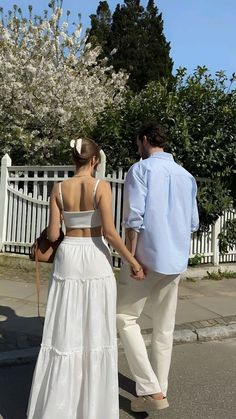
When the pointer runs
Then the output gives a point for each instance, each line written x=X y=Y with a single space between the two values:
x=51 y=85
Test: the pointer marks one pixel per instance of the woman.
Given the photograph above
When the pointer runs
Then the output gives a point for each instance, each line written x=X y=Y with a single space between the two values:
x=76 y=372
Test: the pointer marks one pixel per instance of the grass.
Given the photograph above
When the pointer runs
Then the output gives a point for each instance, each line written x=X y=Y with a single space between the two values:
x=116 y=272
x=219 y=275
x=22 y=269
x=195 y=260
x=14 y=267
x=190 y=279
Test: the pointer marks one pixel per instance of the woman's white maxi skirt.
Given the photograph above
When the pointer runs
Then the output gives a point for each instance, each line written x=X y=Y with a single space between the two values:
x=76 y=372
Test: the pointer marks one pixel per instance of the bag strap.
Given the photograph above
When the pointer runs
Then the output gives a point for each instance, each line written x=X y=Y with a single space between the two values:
x=37 y=272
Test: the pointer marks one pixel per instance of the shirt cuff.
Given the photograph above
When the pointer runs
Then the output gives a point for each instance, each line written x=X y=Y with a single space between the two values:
x=133 y=226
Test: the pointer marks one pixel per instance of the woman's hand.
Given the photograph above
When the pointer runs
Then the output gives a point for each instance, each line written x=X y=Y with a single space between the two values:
x=137 y=272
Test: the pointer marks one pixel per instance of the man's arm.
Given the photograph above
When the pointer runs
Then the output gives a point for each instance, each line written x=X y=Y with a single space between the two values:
x=135 y=192
x=131 y=239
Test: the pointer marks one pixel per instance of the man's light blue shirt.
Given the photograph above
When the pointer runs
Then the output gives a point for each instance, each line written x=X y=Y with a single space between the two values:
x=160 y=204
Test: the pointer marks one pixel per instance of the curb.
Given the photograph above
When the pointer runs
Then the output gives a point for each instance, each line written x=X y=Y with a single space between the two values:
x=193 y=336
x=216 y=333
x=23 y=356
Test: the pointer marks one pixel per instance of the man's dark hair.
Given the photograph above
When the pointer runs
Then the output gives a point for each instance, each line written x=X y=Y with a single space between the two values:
x=155 y=133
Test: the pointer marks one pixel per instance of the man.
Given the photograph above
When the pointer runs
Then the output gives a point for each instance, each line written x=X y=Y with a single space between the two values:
x=160 y=211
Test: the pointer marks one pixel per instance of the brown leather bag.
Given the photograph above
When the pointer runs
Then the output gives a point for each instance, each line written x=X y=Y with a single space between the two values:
x=43 y=250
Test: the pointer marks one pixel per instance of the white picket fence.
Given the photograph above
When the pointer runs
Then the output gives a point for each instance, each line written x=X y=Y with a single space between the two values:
x=24 y=202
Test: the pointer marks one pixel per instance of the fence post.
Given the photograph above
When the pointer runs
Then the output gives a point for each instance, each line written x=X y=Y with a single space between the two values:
x=5 y=163
x=101 y=170
x=215 y=242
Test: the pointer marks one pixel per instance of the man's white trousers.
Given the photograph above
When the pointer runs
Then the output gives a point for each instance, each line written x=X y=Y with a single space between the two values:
x=150 y=373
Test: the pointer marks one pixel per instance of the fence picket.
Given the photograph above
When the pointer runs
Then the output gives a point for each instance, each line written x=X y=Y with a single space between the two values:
x=113 y=190
x=9 y=220
x=29 y=222
x=17 y=188
x=39 y=217
x=19 y=217
x=45 y=197
x=14 y=219
x=24 y=208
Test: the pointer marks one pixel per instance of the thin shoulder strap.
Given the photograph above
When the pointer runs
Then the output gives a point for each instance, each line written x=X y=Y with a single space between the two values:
x=94 y=194
x=60 y=195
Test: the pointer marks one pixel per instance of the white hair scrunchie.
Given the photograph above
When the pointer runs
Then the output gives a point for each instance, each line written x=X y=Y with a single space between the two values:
x=77 y=144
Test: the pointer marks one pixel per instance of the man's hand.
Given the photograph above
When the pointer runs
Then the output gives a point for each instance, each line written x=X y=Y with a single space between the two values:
x=139 y=274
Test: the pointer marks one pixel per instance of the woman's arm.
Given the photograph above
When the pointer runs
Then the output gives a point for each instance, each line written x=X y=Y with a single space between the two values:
x=109 y=231
x=54 y=216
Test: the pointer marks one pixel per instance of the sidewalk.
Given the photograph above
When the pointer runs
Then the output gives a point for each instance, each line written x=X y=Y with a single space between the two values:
x=206 y=310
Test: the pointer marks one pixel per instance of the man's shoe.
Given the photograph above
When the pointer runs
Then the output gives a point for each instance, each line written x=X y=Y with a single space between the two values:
x=148 y=404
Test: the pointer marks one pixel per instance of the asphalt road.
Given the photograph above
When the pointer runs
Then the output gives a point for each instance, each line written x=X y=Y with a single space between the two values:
x=202 y=385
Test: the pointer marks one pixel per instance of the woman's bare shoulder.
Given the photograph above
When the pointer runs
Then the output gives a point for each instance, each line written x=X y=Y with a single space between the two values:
x=66 y=181
x=104 y=185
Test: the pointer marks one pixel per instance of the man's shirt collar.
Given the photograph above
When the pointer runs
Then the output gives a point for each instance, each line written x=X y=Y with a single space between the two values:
x=162 y=155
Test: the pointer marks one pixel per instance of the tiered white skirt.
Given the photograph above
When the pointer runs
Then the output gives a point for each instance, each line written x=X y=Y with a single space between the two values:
x=76 y=372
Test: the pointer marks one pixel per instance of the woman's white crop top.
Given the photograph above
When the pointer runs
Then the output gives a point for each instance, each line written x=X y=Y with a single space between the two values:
x=81 y=219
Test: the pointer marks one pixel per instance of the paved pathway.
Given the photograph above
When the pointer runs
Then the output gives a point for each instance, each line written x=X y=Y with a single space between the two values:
x=205 y=308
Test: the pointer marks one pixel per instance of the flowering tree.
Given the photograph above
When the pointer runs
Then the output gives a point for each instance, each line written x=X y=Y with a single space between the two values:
x=52 y=86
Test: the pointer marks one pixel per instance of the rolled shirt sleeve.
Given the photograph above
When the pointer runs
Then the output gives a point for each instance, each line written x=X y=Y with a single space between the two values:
x=135 y=192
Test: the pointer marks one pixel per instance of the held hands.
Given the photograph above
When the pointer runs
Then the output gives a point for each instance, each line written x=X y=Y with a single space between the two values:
x=137 y=272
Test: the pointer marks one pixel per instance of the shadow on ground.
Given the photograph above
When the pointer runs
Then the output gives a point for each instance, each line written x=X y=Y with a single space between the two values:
x=15 y=385
x=18 y=332
x=128 y=385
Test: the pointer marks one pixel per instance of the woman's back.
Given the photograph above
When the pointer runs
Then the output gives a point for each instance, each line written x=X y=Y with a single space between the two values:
x=77 y=200
x=79 y=193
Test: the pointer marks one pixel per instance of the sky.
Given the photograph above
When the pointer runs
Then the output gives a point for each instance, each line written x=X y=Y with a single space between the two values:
x=201 y=32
